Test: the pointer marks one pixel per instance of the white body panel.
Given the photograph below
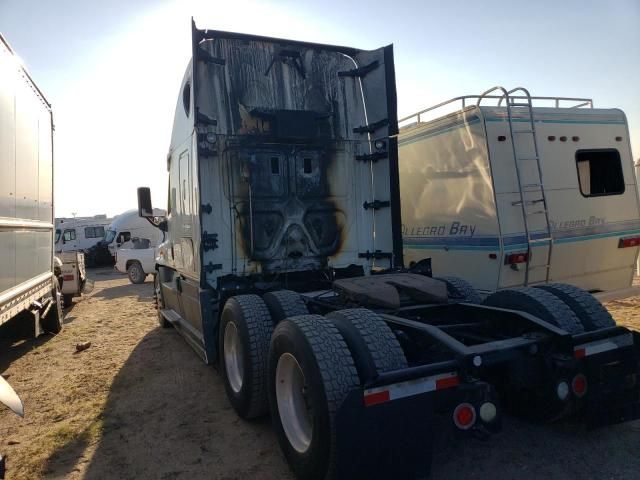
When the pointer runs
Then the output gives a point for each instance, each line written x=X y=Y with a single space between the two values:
x=145 y=256
x=26 y=189
x=129 y=225
x=73 y=272
x=455 y=171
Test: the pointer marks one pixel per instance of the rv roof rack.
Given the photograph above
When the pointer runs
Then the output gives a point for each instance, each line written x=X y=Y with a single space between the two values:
x=469 y=100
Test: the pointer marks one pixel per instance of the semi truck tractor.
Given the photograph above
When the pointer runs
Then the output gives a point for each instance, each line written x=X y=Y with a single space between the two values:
x=283 y=265
x=29 y=290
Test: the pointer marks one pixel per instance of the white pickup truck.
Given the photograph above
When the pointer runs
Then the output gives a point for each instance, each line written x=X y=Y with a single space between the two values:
x=137 y=259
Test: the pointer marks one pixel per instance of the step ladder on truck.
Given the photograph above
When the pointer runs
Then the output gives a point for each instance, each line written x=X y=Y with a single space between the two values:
x=283 y=265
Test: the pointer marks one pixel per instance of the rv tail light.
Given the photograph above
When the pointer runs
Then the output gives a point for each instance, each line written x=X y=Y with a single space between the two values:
x=516 y=258
x=464 y=416
x=629 y=242
x=579 y=385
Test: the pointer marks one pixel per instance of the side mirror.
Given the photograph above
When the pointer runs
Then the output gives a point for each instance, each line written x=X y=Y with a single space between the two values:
x=163 y=226
x=145 y=209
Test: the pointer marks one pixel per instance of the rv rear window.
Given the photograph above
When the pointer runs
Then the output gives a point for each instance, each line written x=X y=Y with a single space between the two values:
x=599 y=172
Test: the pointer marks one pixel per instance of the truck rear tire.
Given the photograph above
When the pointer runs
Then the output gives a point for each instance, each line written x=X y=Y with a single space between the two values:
x=245 y=332
x=373 y=346
x=539 y=303
x=136 y=273
x=311 y=372
x=591 y=313
x=460 y=289
x=52 y=321
x=284 y=304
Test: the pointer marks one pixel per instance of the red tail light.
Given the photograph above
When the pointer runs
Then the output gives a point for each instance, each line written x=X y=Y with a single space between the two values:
x=516 y=258
x=579 y=385
x=629 y=242
x=464 y=416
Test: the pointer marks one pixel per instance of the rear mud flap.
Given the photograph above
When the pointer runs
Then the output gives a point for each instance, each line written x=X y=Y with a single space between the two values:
x=388 y=440
x=614 y=389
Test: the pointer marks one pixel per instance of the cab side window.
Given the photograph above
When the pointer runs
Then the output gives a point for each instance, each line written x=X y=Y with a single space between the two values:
x=123 y=237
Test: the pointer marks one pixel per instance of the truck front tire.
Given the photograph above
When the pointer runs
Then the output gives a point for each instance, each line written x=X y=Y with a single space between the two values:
x=163 y=322
x=245 y=332
x=311 y=372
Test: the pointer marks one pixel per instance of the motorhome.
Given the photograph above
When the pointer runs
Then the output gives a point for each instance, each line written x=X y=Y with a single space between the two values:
x=128 y=226
x=511 y=190
x=80 y=234
x=28 y=287
x=283 y=265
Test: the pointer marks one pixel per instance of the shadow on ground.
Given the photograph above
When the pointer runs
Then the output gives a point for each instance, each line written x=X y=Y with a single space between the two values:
x=167 y=417
x=17 y=339
x=144 y=291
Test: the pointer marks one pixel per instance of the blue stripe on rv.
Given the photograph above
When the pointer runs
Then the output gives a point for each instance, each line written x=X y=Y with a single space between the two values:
x=511 y=243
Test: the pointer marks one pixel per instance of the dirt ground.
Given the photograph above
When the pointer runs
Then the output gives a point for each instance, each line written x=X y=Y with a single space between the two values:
x=139 y=404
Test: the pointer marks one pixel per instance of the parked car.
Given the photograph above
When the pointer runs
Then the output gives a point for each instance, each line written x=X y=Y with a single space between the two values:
x=137 y=259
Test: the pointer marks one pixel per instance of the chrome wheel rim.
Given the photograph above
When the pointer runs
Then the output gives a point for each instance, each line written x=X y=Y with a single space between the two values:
x=233 y=357
x=293 y=407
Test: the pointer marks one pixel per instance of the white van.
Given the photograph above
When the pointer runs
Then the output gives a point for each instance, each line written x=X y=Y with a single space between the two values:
x=128 y=226
x=505 y=192
x=79 y=234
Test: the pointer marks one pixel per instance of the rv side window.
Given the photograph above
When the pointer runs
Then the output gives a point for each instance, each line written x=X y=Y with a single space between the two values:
x=94 y=232
x=599 y=172
x=58 y=234
x=69 y=235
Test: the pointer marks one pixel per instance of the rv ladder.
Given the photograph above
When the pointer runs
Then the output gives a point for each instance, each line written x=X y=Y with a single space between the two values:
x=522 y=151
x=525 y=112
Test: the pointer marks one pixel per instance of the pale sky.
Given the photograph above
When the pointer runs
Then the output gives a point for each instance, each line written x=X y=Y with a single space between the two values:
x=112 y=69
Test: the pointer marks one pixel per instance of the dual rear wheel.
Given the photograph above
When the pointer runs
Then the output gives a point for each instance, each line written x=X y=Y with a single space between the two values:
x=276 y=356
x=568 y=307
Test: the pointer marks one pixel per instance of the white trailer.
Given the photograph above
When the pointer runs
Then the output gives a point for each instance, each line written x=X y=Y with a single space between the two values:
x=28 y=287
x=505 y=192
x=80 y=234
x=128 y=226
